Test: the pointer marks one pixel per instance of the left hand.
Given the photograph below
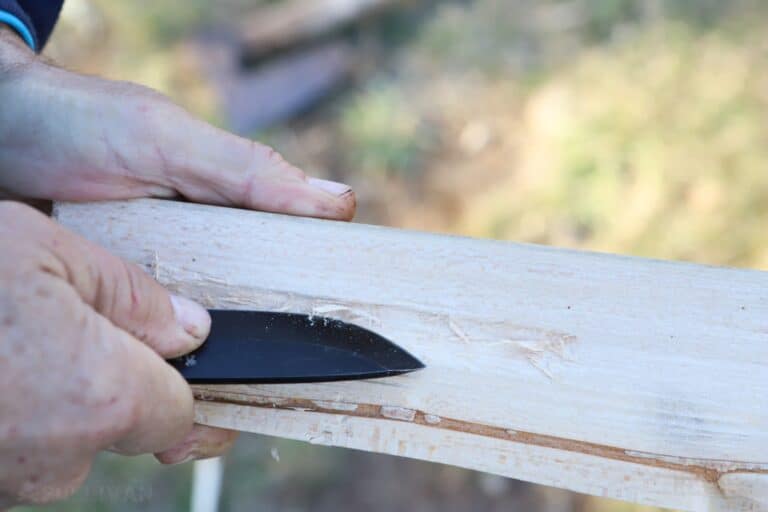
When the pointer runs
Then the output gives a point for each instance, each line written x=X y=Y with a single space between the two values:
x=65 y=136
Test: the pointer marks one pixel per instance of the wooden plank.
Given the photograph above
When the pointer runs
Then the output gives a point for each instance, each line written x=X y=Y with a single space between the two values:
x=623 y=377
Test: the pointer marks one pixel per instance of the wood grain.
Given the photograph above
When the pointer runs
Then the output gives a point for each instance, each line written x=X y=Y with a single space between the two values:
x=623 y=377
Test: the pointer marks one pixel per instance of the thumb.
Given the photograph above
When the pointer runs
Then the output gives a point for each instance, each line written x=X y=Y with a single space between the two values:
x=121 y=292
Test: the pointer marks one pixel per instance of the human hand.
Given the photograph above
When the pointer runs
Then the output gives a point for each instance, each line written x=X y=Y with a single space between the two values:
x=83 y=337
x=66 y=136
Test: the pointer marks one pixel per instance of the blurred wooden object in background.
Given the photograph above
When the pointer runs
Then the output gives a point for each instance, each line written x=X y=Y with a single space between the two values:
x=279 y=89
x=284 y=24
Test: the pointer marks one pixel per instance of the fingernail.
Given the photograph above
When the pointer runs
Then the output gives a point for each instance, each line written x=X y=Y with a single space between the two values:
x=191 y=316
x=184 y=451
x=173 y=457
x=332 y=187
x=188 y=458
x=201 y=443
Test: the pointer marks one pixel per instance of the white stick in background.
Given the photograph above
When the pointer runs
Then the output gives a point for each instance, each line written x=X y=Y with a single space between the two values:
x=206 y=485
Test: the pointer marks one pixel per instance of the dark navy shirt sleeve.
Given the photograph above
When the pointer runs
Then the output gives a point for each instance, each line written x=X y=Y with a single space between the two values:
x=32 y=19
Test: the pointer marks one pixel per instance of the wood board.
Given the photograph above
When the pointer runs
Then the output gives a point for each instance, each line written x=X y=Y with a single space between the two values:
x=622 y=377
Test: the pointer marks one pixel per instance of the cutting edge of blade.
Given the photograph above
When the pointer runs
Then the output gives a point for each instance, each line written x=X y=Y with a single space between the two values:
x=305 y=379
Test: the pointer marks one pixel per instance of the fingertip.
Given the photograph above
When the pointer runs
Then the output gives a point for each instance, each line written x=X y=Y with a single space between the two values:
x=194 y=321
x=203 y=442
x=342 y=203
x=191 y=316
x=331 y=187
x=300 y=197
x=348 y=206
x=338 y=208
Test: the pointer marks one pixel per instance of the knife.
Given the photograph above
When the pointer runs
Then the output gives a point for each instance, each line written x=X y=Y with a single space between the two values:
x=266 y=347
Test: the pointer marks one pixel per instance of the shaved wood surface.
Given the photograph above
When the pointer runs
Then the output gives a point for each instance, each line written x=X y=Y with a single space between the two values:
x=622 y=377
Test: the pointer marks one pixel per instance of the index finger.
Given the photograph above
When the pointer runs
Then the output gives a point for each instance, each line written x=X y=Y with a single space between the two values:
x=158 y=401
x=118 y=290
x=210 y=165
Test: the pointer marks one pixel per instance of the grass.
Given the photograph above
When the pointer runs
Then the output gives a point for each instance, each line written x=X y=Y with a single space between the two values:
x=381 y=133
x=655 y=147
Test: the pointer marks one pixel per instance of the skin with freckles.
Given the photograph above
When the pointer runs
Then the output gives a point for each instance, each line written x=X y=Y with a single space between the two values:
x=83 y=335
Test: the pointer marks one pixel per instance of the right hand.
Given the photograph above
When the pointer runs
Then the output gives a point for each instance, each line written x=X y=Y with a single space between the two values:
x=83 y=338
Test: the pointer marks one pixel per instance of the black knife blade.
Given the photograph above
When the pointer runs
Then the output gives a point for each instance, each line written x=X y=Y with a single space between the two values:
x=265 y=347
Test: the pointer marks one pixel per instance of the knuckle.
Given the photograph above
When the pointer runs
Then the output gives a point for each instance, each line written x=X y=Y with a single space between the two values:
x=143 y=304
x=126 y=416
x=123 y=293
x=100 y=425
x=24 y=235
x=119 y=412
x=275 y=160
x=295 y=172
x=110 y=406
x=15 y=211
x=153 y=108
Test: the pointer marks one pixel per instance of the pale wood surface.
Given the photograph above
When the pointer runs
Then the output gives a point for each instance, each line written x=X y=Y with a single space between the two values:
x=622 y=377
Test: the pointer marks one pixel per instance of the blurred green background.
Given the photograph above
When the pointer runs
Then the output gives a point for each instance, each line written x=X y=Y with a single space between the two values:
x=629 y=126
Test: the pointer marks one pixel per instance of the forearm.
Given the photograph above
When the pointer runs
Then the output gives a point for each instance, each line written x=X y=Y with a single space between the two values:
x=15 y=56
x=14 y=53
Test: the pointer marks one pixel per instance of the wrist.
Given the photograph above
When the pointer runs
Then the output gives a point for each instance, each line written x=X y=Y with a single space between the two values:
x=14 y=52
x=16 y=62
